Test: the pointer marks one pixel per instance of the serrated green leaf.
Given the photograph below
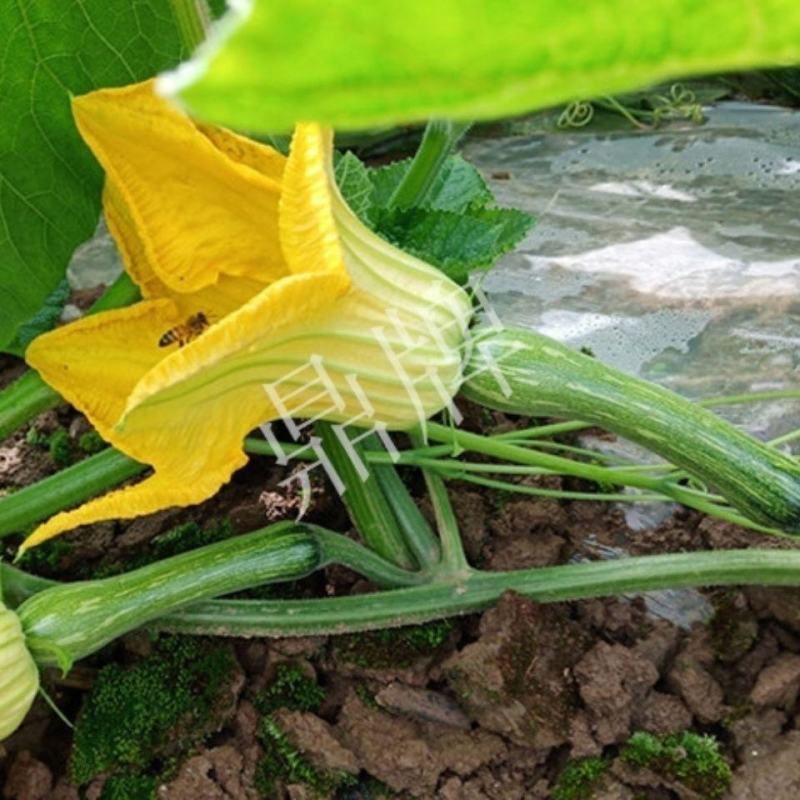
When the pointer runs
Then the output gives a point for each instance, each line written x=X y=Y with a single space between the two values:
x=458 y=185
x=457 y=243
x=49 y=182
x=355 y=64
x=354 y=182
x=454 y=230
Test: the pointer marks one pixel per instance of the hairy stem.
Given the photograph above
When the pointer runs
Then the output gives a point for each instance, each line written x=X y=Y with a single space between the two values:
x=438 y=141
x=65 y=489
x=415 y=529
x=368 y=508
x=479 y=590
x=454 y=560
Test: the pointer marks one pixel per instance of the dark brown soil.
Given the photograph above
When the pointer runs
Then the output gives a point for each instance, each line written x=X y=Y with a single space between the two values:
x=503 y=703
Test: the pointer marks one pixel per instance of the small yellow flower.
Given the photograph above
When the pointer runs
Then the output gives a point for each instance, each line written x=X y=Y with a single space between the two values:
x=250 y=264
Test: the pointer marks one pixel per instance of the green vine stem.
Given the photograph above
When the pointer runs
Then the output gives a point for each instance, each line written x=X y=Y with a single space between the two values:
x=103 y=471
x=546 y=378
x=453 y=560
x=30 y=395
x=22 y=400
x=438 y=141
x=365 y=502
x=416 y=531
x=65 y=489
x=603 y=476
x=479 y=590
x=465 y=593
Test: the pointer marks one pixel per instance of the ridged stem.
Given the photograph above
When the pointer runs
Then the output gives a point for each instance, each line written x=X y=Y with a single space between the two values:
x=362 y=496
x=453 y=560
x=479 y=590
x=438 y=141
x=415 y=529
x=193 y=19
x=65 y=489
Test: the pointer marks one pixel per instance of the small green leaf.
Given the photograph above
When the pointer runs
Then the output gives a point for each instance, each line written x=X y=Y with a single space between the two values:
x=354 y=182
x=458 y=186
x=457 y=243
x=356 y=64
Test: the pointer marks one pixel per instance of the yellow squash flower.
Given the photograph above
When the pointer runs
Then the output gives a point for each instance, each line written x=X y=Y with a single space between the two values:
x=253 y=270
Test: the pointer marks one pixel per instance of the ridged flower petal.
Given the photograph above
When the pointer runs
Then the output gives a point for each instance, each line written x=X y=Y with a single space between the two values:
x=202 y=202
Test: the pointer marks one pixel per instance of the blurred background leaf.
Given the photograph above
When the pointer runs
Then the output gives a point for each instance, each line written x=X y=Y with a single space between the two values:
x=49 y=183
x=356 y=64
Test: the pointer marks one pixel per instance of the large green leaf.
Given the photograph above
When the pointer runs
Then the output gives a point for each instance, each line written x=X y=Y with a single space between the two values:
x=360 y=63
x=49 y=182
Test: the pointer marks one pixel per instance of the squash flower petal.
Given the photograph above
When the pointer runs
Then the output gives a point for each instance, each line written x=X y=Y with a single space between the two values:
x=306 y=312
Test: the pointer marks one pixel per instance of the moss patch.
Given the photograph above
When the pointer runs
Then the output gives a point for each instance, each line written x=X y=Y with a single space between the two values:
x=290 y=688
x=579 y=779
x=691 y=759
x=130 y=787
x=91 y=442
x=282 y=764
x=134 y=715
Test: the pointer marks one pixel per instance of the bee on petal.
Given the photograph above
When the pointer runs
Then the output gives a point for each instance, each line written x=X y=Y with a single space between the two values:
x=185 y=332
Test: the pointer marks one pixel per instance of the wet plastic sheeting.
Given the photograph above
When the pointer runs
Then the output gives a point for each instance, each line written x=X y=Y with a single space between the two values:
x=672 y=254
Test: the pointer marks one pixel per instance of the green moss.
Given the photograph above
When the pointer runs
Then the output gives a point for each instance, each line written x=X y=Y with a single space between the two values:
x=290 y=688
x=687 y=757
x=59 y=445
x=136 y=714
x=579 y=779
x=35 y=438
x=282 y=764
x=130 y=787
x=393 y=647
x=91 y=442
x=46 y=557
